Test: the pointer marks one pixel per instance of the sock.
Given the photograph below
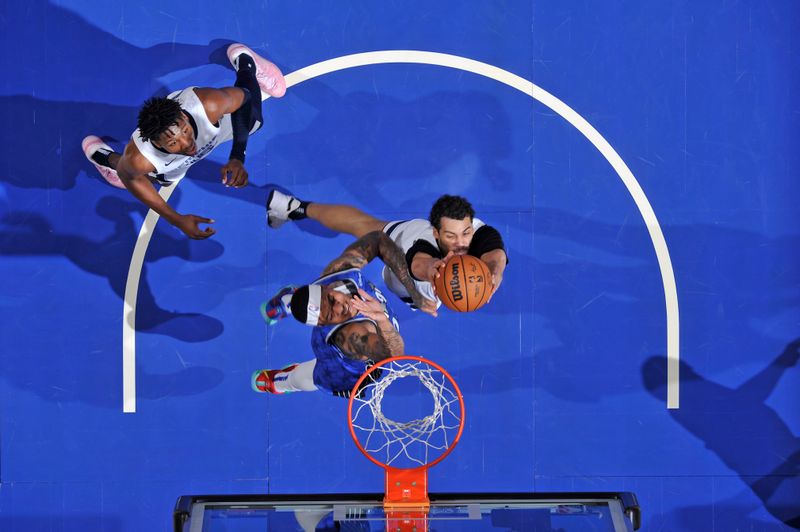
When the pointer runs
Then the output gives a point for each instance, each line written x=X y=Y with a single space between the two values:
x=246 y=78
x=300 y=379
x=101 y=157
x=245 y=62
x=299 y=212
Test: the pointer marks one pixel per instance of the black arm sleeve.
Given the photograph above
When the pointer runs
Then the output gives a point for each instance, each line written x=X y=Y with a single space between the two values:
x=486 y=239
x=240 y=123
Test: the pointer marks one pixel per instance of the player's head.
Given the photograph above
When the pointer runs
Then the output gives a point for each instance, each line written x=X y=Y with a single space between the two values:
x=451 y=218
x=163 y=123
x=324 y=304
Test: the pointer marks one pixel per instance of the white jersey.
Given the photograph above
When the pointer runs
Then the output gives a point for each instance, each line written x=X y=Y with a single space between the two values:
x=405 y=233
x=171 y=167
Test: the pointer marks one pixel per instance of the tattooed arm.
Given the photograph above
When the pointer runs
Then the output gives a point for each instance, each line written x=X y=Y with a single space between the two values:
x=363 y=341
x=378 y=244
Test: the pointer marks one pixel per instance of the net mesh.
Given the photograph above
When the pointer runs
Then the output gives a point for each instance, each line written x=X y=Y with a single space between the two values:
x=412 y=443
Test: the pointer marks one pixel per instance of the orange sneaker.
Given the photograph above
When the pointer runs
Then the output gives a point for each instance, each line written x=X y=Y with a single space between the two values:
x=263 y=381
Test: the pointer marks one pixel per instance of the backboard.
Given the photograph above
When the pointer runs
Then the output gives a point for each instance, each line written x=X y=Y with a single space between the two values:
x=552 y=512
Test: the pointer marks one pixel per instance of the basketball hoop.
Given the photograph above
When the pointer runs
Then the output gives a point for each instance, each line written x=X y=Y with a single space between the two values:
x=406 y=449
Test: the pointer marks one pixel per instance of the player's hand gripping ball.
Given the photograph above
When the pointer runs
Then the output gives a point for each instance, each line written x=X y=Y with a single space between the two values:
x=465 y=283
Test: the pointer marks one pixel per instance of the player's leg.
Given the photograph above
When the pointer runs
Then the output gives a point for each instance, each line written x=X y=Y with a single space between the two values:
x=344 y=219
x=103 y=158
x=293 y=378
x=340 y=218
x=246 y=69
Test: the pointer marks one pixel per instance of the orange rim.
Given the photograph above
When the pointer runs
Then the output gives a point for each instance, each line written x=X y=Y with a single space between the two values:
x=456 y=389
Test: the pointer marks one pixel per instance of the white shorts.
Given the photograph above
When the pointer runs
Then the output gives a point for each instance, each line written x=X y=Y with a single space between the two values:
x=405 y=233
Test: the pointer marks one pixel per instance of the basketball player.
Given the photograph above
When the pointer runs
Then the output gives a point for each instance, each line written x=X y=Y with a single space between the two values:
x=354 y=326
x=175 y=132
x=451 y=229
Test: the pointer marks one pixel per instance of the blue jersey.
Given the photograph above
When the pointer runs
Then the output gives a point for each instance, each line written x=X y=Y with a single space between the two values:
x=335 y=371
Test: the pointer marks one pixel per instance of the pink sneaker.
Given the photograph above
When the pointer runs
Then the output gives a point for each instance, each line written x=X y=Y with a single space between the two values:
x=269 y=77
x=90 y=145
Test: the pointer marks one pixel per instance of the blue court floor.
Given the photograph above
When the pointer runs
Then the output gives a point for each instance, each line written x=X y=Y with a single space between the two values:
x=639 y=158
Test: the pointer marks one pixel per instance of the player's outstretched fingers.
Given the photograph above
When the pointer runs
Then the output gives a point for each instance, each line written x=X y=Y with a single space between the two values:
x=364 y=295
x=495 y=285
x=190 y=225
x=358 y=305
x=202 y=234
x=497 y=280
x=239 y=178
x=493 y=290
x=367 y=303
x=234 y=174
x=368 y=306
x=440 y=264
x=205 y=233
x=429 y=307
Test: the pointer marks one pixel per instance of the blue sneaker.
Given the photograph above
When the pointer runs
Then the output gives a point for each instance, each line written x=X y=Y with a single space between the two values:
x=278 y=308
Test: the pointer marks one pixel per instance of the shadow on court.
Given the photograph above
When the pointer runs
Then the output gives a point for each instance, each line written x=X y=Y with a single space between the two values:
x=31 y=234
x=53 y=129
x=728 y=420
x=388 y=141
x=592 y=277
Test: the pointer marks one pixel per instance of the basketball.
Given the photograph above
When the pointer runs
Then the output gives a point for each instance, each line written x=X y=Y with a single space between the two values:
x=465 y=283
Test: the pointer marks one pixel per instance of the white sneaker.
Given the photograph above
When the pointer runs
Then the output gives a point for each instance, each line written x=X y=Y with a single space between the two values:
x=280 y=207
x=91 y=145
x=269 y=76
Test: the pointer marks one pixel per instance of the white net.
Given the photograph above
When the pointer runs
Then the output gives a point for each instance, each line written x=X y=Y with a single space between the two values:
x=412 y=443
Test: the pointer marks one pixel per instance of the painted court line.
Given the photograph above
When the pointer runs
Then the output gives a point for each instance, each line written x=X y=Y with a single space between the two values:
x=482 y=69
x=129 y=308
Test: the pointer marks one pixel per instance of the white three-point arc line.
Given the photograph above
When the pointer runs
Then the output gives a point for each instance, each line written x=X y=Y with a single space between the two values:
x=468 y=65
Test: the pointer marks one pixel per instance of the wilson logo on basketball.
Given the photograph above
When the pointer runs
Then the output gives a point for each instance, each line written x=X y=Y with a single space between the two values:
x=464 y=284
x=455 y=283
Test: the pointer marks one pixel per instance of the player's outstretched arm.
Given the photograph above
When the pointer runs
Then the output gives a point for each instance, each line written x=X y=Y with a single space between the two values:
x=496 y=260
x=358 y=254
x=133 y=174
x=427 y=267
x=487 y=244
x=378 y=244
x=232 y=101
x=395 y=260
